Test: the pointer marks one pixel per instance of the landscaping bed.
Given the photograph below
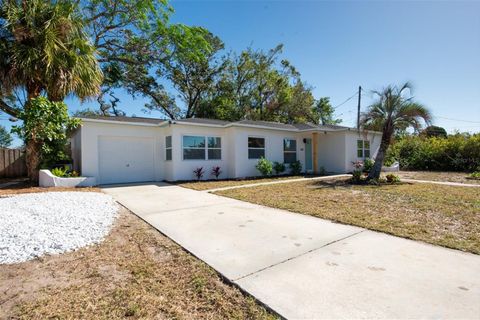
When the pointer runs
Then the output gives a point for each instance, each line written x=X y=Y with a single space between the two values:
x=24 y=186
x=458 y=177
x=37 y=224
x=135 y=272
x=442 y=215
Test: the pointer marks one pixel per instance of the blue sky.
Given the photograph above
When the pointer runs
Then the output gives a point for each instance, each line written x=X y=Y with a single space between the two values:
x=338 y=46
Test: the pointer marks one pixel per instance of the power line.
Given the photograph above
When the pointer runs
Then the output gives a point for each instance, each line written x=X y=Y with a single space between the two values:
x=348 y=99
x=458 y=120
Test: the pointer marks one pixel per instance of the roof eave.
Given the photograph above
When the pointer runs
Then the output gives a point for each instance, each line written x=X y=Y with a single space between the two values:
x=145 y=124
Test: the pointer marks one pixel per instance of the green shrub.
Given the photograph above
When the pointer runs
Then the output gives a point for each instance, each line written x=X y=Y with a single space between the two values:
x=64 y=172
x=60 y=172
x=474 y=175
x=357 y=176
x=264 y=166
x=392 y=178
x=48 y=124
x=368 y=165
x=458 y=152
x=296 y=168
x=279 y=167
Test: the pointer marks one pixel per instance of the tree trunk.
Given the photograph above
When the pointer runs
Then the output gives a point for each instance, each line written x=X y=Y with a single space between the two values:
x=32 y=146
x=32 y=157
x=377 y=167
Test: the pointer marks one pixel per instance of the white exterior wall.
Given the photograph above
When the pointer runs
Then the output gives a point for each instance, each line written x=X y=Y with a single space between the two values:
x=336 y=150
x=245 y=167
x=331 y=151
x=351 y=146
x=91 y=131
x=167 y=165
x=183 y=169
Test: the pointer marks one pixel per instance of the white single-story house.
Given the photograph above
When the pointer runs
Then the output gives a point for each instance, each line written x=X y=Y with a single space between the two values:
x=134 y=149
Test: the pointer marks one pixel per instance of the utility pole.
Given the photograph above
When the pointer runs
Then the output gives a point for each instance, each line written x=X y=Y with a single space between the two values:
x=358 y=109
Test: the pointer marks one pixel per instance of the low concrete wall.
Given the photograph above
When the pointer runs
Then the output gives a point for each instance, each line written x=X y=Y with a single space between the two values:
x=395 y=167
x=47 y=179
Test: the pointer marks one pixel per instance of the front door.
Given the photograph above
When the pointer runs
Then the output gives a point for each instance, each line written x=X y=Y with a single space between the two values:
x=308 y=155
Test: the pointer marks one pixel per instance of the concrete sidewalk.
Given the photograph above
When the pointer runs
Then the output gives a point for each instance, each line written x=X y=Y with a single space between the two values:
x=445 y=183
x=256 y=184
x=305 y=267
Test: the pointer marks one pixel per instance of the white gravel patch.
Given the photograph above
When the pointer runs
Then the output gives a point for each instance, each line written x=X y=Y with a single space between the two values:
x=36 y=224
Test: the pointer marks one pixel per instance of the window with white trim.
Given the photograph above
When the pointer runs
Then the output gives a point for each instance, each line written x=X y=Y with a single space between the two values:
x=256 y=148
x=289 y=150
x=168 y=148
x=201 y=148
x=214 y=151
x=363 y=149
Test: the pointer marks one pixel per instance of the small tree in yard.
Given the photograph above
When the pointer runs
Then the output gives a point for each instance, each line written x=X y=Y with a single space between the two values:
x=47 y=125
x=391 y=112
x=43 y=51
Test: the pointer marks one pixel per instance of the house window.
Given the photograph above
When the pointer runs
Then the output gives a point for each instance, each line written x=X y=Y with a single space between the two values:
x=168 y=148
x=256 y=148
x=363 y=149
x=289 y=150
x=193 y=148
x=202 y=148
x=214 y=148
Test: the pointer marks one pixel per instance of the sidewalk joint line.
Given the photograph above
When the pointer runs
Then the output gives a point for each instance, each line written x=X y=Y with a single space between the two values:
x=173 y=210
x=299 y=255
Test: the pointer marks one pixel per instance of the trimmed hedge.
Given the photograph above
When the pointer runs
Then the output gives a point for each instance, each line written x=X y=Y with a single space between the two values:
x=458 y=152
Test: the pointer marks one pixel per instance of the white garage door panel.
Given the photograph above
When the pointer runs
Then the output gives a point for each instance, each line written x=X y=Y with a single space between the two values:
x=125 y=159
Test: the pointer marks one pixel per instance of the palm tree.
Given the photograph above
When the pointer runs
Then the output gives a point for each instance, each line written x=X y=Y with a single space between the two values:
x=393 y=110
x=44 y=50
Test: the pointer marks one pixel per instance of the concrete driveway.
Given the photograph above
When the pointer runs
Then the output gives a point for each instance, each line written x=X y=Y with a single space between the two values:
x=305 y=267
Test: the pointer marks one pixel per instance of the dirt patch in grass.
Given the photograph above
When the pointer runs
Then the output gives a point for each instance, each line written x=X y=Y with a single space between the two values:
x=136 y=272
x=441 y=215
x=214 y=184
x=28 y=187
x=459 y=177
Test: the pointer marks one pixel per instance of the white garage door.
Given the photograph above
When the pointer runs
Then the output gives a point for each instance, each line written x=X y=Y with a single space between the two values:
x=125 y=159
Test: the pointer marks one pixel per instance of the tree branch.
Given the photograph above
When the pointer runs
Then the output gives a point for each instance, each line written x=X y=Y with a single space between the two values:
x=8 y=109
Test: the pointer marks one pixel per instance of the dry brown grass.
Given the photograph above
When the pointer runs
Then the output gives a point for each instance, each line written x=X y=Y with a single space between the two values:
x=437 y=214
x=459 y=177
x=136 y=273
x=214 y=184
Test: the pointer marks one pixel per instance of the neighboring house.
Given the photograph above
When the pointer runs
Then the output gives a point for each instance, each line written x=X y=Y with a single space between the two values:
x=130 y=149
